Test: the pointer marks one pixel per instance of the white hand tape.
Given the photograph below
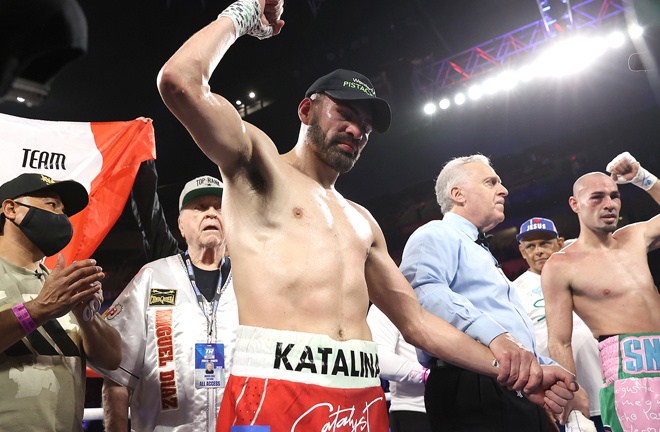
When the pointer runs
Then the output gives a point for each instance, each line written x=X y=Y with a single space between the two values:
x=577 y=422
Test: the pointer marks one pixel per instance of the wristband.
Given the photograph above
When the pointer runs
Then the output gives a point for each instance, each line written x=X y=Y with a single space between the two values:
x=425 y=375
x=246 y=16
x=90 y=310
x=24 y=318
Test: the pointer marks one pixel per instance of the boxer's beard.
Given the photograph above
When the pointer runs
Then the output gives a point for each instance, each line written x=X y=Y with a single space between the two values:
x=609 y=228
x=327 y=150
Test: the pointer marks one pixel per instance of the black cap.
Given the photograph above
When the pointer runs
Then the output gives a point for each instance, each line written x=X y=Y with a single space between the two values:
x=345 y=84
x=73 y=195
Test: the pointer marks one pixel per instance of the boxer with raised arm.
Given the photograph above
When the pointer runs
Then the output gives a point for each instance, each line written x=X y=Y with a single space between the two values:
x=604 y=276
x=306 y=261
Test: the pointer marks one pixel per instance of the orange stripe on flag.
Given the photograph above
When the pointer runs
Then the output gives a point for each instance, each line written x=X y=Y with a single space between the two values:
x=123 y=145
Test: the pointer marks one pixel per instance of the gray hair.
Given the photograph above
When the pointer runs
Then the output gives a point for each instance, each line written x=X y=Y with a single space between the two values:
x=452 y=175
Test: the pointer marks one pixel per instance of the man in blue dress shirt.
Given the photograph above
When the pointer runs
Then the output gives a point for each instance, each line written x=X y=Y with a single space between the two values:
x=456 y=278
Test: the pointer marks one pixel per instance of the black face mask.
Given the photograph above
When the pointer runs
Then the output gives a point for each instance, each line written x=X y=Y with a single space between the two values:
x=50 y=232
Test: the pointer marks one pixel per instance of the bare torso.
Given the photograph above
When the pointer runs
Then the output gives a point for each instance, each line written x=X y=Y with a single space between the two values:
x=299 y=256
x=612 y=288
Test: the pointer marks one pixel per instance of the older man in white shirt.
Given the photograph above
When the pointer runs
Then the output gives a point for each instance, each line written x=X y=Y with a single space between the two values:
x=538 y=239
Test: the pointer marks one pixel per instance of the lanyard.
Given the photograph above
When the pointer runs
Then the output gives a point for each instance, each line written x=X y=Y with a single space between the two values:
x=200 y=298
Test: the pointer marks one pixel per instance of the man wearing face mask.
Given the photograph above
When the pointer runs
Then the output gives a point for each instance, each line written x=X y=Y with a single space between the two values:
x=46 y=335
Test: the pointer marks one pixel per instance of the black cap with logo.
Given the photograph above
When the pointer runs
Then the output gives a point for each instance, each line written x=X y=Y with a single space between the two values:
x=73 y=195
x=345 y=84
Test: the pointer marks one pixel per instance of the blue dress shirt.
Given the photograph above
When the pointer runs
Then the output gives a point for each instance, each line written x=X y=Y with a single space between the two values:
x=462 y=283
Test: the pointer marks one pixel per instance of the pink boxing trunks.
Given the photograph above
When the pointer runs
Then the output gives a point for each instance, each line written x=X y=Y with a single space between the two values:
x=630 y=397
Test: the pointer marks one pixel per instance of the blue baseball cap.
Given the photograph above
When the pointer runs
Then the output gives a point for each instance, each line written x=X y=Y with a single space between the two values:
x=537 y=225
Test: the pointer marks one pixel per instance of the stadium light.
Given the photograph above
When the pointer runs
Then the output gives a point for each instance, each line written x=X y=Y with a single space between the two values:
x=636 y=31
x=491 y=86
x=564 y=57
x=507 y=80
x=475 y=92
x=616 y=39
x=527 y=73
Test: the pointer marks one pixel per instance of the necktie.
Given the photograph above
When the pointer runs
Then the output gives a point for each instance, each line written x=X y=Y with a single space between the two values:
x=483 y=239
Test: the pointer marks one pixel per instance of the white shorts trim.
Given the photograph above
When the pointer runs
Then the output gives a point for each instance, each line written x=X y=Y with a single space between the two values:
x=306 y=358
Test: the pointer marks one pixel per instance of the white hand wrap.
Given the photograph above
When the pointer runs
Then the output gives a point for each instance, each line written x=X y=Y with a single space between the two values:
x=577 y=422
x=246 y=16
x=642 y=179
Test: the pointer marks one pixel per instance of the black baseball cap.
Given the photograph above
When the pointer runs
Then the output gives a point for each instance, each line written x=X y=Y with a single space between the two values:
x=346 y=84
x=73 y=195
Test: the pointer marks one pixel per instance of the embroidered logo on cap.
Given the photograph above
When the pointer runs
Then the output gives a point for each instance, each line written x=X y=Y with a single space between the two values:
x=47 y=179
x=359 y=85
x=208 y=181
x=536 y=224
